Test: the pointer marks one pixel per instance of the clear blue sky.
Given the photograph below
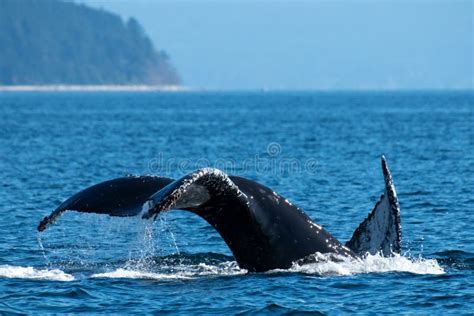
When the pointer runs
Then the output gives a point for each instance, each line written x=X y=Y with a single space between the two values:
x=344 y=44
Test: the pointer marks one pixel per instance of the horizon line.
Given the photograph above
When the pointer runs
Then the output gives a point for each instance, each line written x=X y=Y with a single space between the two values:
x=179 y=88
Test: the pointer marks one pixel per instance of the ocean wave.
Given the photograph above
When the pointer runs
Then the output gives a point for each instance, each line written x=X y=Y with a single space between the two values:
x=318 y=264
x=8 y=271
x=328 y=265
x=170 y=272
x=122 y=273
x=189 y=267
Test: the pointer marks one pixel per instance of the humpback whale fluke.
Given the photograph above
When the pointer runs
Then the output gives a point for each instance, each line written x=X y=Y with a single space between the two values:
x=263 y=230
x=118 y=197
x=381 y=230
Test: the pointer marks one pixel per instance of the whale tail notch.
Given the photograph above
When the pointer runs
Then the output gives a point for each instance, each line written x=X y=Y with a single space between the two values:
x=380 y=232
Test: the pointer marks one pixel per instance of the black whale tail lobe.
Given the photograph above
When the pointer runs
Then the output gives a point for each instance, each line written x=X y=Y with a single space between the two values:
x=118 y=197
x=380 y=232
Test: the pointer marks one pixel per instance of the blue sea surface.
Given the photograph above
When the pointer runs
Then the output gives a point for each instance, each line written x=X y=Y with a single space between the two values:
x=319 y=150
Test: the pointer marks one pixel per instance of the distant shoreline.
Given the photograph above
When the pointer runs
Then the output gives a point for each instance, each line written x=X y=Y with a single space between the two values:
x=91 y=88
x=179 y=88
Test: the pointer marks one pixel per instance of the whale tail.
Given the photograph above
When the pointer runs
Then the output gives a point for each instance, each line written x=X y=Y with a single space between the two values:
x=263 y=230
x=380 y=232
x=118 y=197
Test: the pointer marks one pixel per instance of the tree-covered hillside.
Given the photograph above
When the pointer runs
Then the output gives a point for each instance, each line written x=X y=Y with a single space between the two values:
x=57 y=42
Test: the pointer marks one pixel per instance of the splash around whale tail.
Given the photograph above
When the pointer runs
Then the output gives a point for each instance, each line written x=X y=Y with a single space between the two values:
x=380 y=232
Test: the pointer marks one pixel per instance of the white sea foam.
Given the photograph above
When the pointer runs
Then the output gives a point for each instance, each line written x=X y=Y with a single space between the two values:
x=178 y=272
x=371 y=264
x=325 y=266
x=135 y=274
x=8 y=271
x=320 y=265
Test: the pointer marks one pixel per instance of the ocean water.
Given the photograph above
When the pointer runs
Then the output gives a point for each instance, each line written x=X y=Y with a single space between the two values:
x=319 y=150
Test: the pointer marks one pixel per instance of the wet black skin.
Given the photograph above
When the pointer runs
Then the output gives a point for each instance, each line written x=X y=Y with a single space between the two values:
x=263 y=231
x=268 y=232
